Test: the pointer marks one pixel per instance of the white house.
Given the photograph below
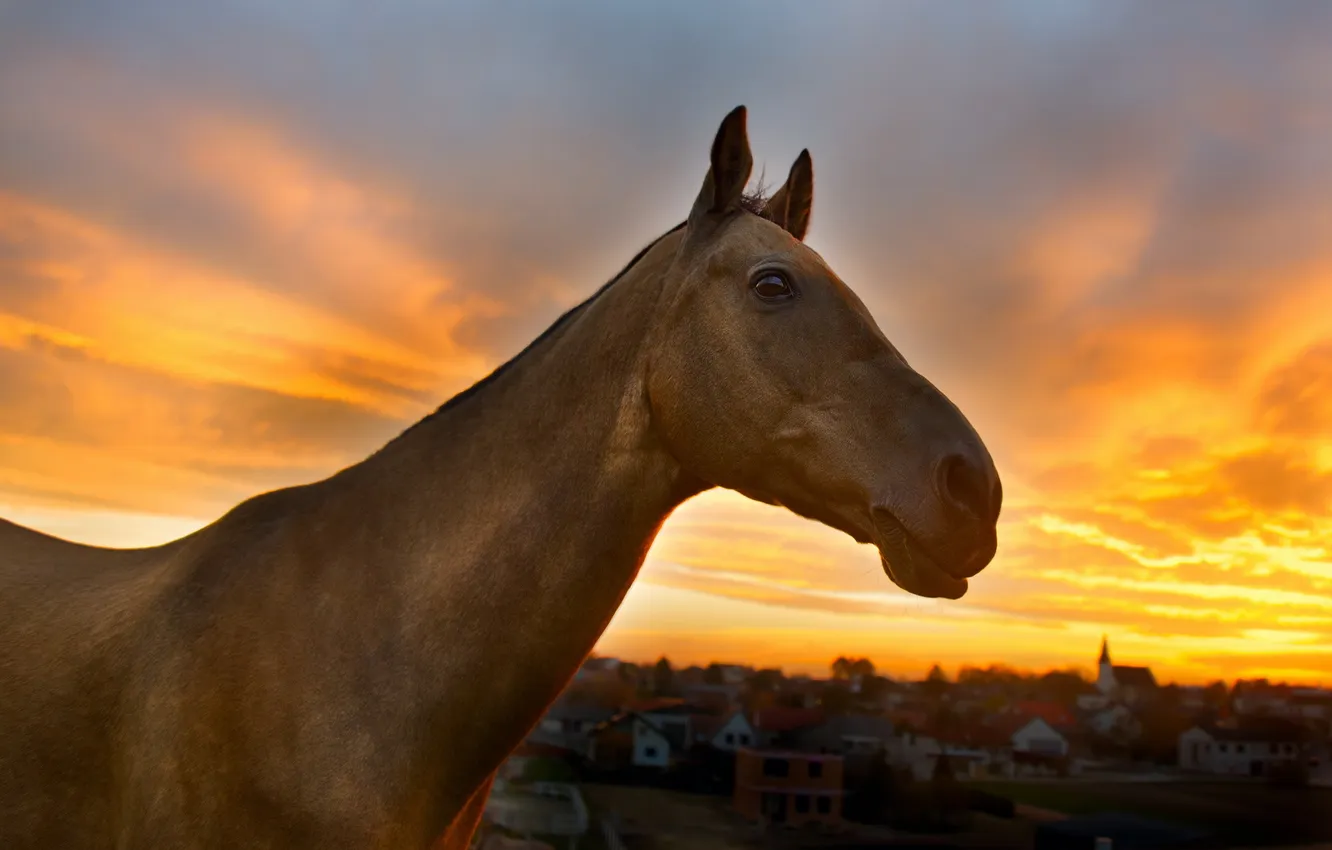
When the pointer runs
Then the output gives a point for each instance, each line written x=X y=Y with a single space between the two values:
x=1038 y=738
x=652 y=747
x=727 y=733
x=1251 y=749
x=661 y=733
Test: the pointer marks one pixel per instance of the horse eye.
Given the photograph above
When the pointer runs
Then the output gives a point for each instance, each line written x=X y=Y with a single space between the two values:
x=772 y=287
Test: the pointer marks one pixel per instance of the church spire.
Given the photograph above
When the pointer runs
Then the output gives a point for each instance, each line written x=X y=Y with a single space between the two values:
x=1105 y=650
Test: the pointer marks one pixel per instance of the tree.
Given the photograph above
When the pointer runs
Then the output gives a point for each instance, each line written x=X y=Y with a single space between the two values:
x=1064 y=686
x=936 y=683
x=663 y=677
x=862 y=667
x=713 y=674
x=841 y=668
x=765 y=681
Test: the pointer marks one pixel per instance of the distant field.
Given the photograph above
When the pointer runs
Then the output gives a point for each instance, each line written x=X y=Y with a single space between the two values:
x=1244 y=814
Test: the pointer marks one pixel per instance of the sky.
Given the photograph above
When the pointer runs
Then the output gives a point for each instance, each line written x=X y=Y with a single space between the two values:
x=243 y=244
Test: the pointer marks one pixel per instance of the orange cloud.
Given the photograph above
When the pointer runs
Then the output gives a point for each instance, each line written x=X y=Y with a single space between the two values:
x=219 y=277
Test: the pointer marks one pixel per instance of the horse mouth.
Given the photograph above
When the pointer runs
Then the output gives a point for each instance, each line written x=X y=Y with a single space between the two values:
x=909 y=565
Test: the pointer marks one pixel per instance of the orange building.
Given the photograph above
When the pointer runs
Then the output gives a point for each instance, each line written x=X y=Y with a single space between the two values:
x=788 y=787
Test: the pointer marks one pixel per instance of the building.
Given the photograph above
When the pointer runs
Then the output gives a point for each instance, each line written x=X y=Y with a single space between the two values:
x=786 y=787
x=1250 y=747
x=847 y=734
x=569 y=722
x=1122 y=682
x=781 y=725
x=1013 y=745
x=653 y=734
x=727 y=733
x=713 y=698
x=1035 y=739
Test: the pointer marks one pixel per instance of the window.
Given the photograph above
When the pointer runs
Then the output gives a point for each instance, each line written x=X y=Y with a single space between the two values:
x=650 y=752
x=776 y=767
x=1224 y=748
x=815 y=769
x=744 y=740
x=802 y=803
x=730 y=738
x=825 y=805
x=1239 y=748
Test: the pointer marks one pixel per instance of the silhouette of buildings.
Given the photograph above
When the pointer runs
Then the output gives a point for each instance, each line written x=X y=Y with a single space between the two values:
x=788 y=787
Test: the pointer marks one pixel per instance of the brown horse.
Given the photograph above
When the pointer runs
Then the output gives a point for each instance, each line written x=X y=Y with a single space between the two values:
x=344 y=664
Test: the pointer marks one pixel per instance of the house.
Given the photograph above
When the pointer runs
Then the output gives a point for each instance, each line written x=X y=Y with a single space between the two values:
x=1056 y=714
x=800 y=691
x=1121 y=682
x=1036 y=739
x=653 y=740
x=1249 y=747
x=714 y=698
x=727 y=733
x=568 y=722
x=786 y=787
x=662 y=733
x=1010 y=746
x=779 y=724
x=846 y=734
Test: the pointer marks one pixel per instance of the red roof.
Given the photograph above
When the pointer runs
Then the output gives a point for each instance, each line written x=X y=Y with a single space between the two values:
x=782 y=718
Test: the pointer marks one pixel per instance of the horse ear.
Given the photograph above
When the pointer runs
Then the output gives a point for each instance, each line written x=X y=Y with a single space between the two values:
x=731 y=164
x=790 y=207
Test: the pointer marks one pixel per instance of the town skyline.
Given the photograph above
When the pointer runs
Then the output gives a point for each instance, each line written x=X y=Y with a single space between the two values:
x=919 y=670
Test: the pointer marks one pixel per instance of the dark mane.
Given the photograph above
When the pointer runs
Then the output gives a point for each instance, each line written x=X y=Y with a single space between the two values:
x=756 y=199
x=752 y=202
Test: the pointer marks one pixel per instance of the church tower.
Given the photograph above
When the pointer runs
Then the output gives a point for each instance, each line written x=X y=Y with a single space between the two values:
x=1105 y=677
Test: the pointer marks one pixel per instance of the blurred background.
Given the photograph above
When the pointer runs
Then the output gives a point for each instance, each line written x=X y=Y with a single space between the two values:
x=243 y=244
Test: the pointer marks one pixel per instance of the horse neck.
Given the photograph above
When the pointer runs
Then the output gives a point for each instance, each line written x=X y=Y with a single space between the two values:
x=523 y=513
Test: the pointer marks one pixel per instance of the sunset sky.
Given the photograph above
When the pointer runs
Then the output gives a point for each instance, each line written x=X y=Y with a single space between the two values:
x=244 y=243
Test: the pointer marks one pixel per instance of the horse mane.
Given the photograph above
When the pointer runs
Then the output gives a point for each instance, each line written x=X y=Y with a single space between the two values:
x=750 y=202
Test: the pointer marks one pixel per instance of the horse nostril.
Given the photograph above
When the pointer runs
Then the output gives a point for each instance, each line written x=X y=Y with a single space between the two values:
x=964 y=484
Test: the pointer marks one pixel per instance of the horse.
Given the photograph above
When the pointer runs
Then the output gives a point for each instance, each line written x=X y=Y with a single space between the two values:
x=346 y=663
